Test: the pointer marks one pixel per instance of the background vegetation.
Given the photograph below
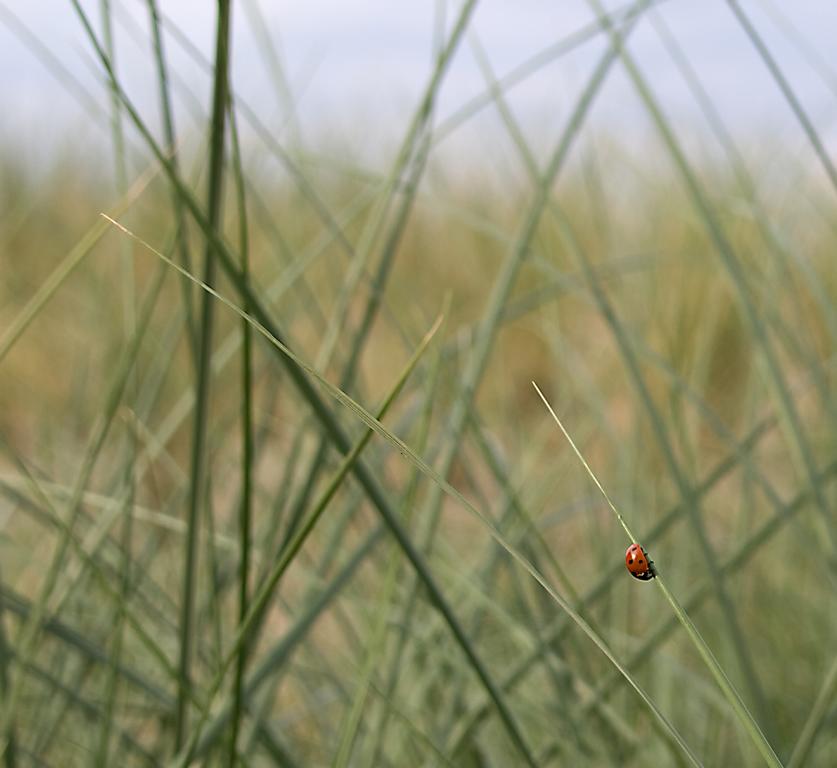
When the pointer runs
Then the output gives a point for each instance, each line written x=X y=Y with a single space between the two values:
x=190 y=570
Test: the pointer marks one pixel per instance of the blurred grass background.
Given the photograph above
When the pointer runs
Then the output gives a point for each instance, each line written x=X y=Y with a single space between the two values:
x=163 y=469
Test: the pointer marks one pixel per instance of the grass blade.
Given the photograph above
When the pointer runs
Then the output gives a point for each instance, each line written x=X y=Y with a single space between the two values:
x=247 y=452
x=199 y=458
x=732 y=696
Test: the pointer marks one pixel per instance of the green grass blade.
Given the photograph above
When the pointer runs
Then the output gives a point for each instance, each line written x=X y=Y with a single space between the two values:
x=268 y=587
x=247 y=453
x=816 y=718
x=732 y=695
x=409 y=550
x=199 y=459
x=74 y=257
x=130 y=448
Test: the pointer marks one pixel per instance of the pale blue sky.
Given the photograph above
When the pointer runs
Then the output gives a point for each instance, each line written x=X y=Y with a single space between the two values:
x=356 y=67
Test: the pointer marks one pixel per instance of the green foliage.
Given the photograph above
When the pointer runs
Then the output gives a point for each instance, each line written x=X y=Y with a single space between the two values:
x=211 y=549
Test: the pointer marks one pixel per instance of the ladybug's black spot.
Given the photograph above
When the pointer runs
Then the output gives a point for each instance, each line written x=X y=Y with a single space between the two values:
x=640 y=561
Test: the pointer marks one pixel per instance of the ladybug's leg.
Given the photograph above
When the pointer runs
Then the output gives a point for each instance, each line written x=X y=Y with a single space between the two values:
x=651 y=569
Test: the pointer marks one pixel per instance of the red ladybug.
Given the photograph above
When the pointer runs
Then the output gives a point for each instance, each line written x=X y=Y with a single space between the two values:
x=638 y=563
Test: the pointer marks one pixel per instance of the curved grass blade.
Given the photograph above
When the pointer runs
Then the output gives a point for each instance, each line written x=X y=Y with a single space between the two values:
x=361 y=413
x=727 y=688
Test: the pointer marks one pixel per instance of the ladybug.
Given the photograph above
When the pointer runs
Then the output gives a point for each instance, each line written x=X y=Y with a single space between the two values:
x=639 y=564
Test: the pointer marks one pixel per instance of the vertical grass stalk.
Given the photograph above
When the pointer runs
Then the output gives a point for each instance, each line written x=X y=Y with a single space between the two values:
x=130 y=445
x=198 y=475
x=247 y=453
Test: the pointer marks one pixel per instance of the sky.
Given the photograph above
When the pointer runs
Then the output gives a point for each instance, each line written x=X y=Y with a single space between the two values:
x=354 y=70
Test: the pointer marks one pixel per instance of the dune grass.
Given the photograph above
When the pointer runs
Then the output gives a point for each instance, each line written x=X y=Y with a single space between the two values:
x=254 y=513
